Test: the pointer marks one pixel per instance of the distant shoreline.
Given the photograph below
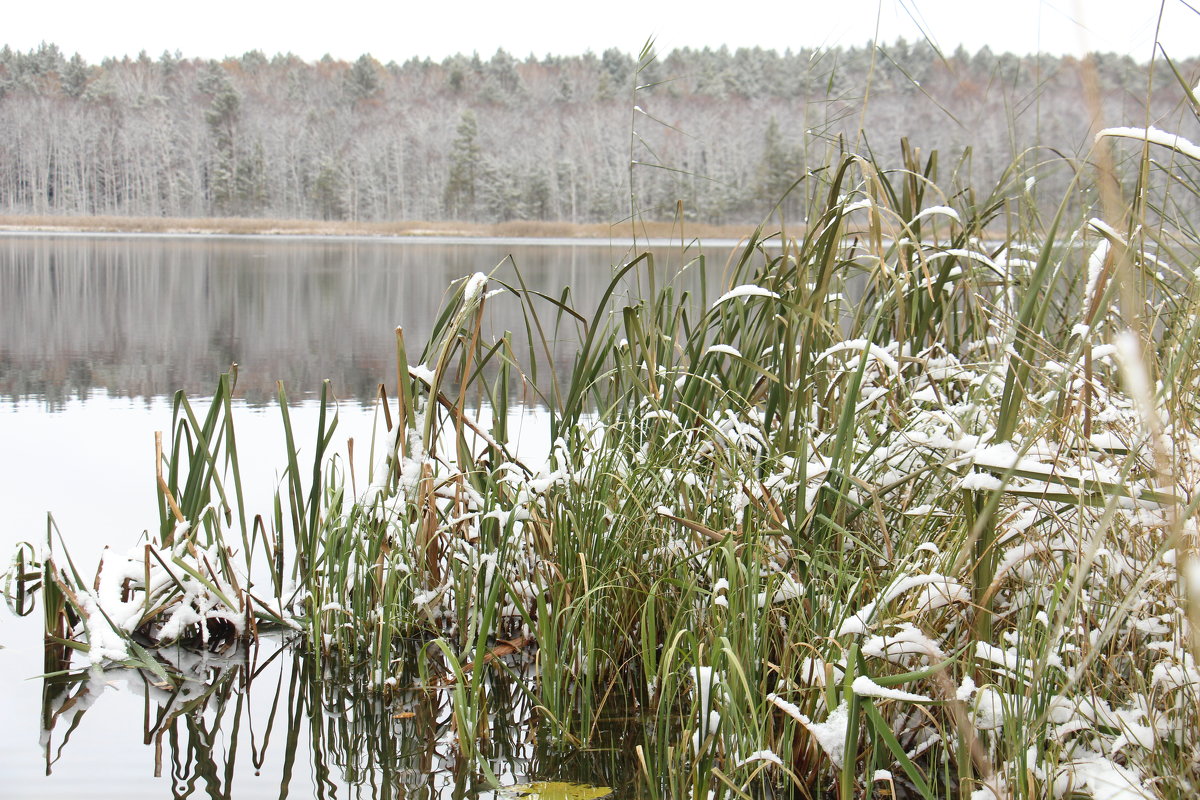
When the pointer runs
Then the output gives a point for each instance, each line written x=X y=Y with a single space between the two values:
x=415 y=229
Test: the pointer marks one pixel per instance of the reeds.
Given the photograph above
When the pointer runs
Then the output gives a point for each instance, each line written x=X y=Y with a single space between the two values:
x=905 y=507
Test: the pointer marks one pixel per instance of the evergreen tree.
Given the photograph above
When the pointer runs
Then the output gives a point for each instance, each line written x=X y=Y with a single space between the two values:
x=75 y=76
x=222 y=116
x=329 y=191
x=461 y=187
x=781 y=164
x=363 y=79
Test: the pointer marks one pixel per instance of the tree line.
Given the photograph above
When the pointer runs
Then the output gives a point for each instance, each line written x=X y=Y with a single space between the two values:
x=581 y=138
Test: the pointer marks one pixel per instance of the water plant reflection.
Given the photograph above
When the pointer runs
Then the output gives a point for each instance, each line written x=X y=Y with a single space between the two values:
x=253 y=719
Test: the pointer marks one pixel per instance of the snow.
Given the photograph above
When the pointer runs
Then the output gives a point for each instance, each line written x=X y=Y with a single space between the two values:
x=422 y=373
x=1009 y=659
x=704 y=679
x=981 y=482
x=789 y=589
x=723 y=349
x=1102 y=227
x=904 y=583
x=971 y=255
x=993 y=789
x=812 y=671
x=831 y=734
x=1016 y=555
x=874 y=350
x=762 y=755
x=427 y=598
x=1154 y=136
x=856 y=622
x=989 y=709
x=945 y=211
x=926 y=395
x=939 y=595
x=178 y=622
x=865 y=687
x=908 y=640
x=474 y=289
x=745 y=290
x=1170 y=675
x=786 y=707
x=104 y=643
x=1107 y=440
x=1108 y=781
x=1095 y=267
x=503 y=516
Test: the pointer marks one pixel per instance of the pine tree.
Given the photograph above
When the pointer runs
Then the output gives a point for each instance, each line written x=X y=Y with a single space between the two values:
x=75 y=76
x=461 y=187
x=222 y=117
x=363 y=79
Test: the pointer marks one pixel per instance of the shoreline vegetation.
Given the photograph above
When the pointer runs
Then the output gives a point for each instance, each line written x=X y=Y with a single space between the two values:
x=906 y=509
x=519 y=229
x=909 y=510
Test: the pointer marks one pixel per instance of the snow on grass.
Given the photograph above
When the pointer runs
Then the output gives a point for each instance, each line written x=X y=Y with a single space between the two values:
x=1154 y=136
x=876 y=352
x=762 y=755
x=865 y=687
x=945 y=211
x=722 y=349
x=744 y=291
x=908 y=640
x=830 y=734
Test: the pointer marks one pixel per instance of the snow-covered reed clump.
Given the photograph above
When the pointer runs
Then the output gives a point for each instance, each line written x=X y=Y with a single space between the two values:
x=913 y=502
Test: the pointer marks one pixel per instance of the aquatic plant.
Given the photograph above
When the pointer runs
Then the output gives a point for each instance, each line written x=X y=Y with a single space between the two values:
x=911 y=502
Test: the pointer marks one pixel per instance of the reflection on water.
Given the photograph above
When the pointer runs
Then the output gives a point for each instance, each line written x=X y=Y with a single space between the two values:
x=260 y=723
x=88 y=322
x=256 y=723
x=146 y=316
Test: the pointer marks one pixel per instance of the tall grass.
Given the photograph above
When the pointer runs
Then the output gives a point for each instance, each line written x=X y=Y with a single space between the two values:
x=909 y=507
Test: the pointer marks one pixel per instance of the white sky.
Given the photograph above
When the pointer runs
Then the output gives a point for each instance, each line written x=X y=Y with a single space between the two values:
x=398 y=30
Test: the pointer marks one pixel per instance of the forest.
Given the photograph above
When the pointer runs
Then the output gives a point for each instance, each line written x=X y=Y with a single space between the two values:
x=719 y=134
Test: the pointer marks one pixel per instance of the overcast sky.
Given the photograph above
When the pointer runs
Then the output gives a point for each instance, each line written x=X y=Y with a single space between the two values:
x=399 y=30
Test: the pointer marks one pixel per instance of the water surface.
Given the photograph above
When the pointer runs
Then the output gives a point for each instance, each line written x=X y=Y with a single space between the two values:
x=144 y=316
x=96 y=333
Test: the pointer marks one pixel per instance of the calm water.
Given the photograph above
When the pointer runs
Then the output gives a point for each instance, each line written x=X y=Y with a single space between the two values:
x=145 y=316
x=96 y=332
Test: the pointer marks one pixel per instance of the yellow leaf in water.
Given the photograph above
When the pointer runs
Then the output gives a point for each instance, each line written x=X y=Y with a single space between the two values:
x=556 y=790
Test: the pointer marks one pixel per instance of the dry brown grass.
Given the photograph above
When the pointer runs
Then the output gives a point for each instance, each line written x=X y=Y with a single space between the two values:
x=302 y=227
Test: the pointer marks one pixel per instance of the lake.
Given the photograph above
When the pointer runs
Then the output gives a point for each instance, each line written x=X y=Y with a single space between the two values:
x=96 y=333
